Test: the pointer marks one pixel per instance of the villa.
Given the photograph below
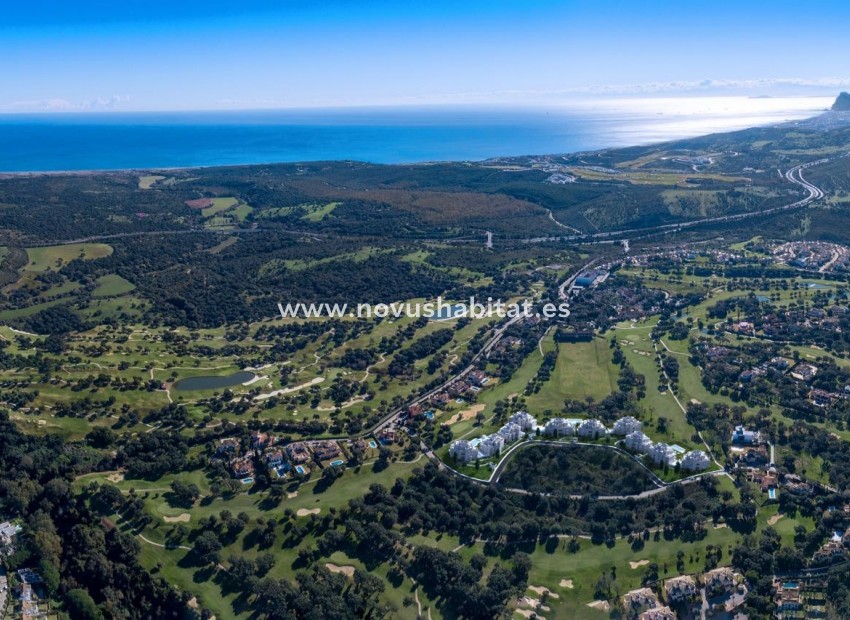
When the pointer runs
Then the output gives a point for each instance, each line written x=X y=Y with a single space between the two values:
x=298 y=453
x=227 y=446
x=325 y=450
x=491 y=445
x=259 y=441
x=524 y=420
x=8 y=531
x=638 y=601
x=559 y=427
x=660 y=613
x=831 y=553
x=719 y=581
x=440 y=400
x=695 y=460
x=743 y=436
x=804 y=372
x=274 y=458
x=788 y=597
x=463 y=451
x=591 y=428
x=511 y=432
x=476 y=377
x=662 y=454
x=680 y=589
x=242 y=467
x=626 y=425
x=638 y=442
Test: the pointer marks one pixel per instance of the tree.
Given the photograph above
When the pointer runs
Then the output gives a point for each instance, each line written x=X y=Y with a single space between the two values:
x=207 y=546
x=184 y=494
x=81 y=606
x=264 y=563
x=49 y=575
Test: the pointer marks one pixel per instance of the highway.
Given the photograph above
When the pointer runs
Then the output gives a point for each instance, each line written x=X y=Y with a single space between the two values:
x=792 y=175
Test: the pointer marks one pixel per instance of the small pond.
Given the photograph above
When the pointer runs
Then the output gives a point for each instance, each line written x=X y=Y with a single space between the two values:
x=447 y=312
x=213 y=383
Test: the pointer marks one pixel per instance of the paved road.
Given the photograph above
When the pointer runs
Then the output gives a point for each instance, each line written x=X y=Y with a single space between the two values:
x=498 y=333
x=793 y=175
x=660 y=485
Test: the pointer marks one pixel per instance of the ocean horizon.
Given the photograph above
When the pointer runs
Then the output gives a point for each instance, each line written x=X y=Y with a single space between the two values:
x=160 y=140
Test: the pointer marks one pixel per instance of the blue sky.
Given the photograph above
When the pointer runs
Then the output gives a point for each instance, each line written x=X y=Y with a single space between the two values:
x=185 y=54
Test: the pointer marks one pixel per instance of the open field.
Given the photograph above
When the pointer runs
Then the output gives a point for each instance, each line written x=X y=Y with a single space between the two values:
x=219 y=205
x=112 y=285
x=147 y=181
x=51 y=258
x=319 y=212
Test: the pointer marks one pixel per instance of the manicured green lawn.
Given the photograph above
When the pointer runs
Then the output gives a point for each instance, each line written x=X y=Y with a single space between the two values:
x=583 y=369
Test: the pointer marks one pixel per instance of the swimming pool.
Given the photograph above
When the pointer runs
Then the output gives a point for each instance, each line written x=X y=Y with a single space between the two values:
x=247 y=480
x=372 y=444
x=771 y=493
x=337 y=463
x=299 y=469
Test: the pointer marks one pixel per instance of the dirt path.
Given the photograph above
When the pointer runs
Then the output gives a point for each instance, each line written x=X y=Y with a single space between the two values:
x=381 y=360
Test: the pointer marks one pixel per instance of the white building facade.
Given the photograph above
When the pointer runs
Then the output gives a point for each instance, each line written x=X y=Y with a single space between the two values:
x=559 y=427
x=626 y=425
x=591 y=429
x=638 y=442
x=662 y=454
x=695 y=460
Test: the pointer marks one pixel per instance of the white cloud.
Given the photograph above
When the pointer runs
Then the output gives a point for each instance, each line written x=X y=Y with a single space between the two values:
x=755 y=86
x=63 y=105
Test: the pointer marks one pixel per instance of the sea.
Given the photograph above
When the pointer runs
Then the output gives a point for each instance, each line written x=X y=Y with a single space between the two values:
x=387 y=135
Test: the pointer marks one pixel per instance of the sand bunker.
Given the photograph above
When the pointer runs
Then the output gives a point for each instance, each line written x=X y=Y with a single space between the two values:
x=115 y=478
x=775 y=518
x=530 y=602
x=184 y=518
x=289 y=390
x=539 y=590
x=466 y=414
x=348 y=571
x=600 y=605
x=566 y=583
x=292 y=495
x=304 y=512
x=638 y=564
